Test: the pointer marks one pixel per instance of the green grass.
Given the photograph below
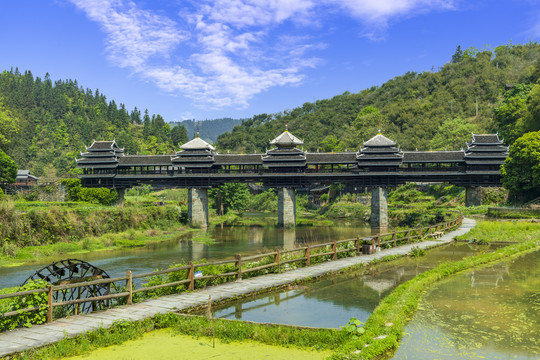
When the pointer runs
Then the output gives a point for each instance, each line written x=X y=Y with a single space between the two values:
x=503 y=231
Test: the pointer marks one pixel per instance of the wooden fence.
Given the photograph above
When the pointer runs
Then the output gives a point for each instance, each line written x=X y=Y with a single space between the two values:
x=241 y=266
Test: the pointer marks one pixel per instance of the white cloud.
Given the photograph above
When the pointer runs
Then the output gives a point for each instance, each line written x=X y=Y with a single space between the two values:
x=221 y=53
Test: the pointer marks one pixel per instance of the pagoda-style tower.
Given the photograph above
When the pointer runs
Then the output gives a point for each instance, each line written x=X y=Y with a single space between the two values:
x=485 y=153
x=196 y=156
x=285 y=156
x=379 y=154
x=102 y=155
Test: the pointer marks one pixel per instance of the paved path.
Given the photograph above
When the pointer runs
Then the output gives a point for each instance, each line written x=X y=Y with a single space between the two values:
x=39 y=335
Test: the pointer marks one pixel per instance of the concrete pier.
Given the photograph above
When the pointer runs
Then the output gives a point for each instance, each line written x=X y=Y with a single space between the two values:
x=286 y=207
x=379 y=209
x=121 y=195
x=473 y=196
x=198 y=207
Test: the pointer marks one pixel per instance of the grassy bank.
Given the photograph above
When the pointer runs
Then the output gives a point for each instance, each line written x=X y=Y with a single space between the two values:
x=41 y=231
x=503 y=231
x=112 y=241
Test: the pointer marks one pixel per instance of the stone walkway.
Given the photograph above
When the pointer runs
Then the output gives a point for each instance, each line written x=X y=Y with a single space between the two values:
x=39 y=335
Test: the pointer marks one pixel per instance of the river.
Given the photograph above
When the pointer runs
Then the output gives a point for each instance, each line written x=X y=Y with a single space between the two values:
x=331 y=302
x=486 y=313
x=226 y=242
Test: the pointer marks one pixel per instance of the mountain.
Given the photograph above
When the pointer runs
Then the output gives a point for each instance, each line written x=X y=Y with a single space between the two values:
x=477 y=91
x=209 y=130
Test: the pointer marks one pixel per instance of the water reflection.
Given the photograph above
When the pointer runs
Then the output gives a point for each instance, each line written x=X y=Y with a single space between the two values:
x=220 y=242
x=486 y=313
x=331 y=302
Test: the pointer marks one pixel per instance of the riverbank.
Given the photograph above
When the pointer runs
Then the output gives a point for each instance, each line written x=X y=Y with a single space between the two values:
x=22 y=339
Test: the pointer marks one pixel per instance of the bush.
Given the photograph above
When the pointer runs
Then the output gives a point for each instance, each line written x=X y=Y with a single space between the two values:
x=101 y=196
x=27 y=319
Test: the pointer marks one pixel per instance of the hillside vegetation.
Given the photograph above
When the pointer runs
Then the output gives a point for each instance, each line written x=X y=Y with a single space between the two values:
x=44 y=125
x=477 y=91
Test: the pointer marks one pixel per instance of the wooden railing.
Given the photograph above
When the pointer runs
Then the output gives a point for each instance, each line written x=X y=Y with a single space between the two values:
x=243 y=266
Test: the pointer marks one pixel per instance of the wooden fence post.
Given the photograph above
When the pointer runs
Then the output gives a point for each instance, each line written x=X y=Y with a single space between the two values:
x=129 y=287
x=191 y=276
x=394 y=238
x=239 y=265
x=277 y=260
x=357 y=245
x=408 y=236
x=334 y=250
x=373 y=244
x=50 y=304
x=308 y=255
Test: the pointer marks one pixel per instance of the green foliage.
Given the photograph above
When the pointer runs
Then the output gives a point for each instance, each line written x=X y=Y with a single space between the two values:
x=26 y=319
x=452 y=135
x=521 y=170
x=8 y=169
x=265 y=201
x=354 y=327
x=232 y=196
x=101 y=196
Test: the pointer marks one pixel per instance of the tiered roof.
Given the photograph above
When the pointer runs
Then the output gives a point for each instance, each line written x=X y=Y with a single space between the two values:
x=101 y=154
x=285 y=154
x=196 y=153
x=485 y=149
x=379 y=151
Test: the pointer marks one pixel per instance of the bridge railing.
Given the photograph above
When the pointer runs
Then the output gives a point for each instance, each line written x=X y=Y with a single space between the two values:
x=193 y=276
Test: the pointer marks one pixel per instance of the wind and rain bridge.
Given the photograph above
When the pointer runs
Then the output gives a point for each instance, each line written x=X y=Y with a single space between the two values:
x=379 y=164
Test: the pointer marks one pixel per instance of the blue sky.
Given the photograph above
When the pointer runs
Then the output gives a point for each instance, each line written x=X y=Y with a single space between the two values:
x=207 y=59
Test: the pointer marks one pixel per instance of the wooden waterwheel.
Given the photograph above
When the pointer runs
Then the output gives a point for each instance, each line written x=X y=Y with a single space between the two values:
x=72 y=271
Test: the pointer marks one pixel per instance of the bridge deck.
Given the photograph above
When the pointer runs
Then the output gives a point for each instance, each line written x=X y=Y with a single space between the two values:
x=40 y=335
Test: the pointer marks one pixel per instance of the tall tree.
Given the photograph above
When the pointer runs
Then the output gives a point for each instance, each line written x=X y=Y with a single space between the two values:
x=521 y=170
x=8 y=169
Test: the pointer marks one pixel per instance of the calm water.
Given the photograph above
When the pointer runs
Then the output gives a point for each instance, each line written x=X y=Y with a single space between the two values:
x=490 y=313
x=331 y=302
x=228 y=241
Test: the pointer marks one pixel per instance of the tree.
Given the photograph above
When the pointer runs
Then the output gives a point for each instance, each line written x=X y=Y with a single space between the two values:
x=8 y=169
x=521 y=170
x=458 y=55
x=231 y=196
x=452 y=135
x=179 y=135
x=8 y=127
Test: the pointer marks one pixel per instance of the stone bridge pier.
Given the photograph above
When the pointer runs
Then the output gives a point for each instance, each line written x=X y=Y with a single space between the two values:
x=286 y=207
x=198 y=207
x=379 y=209
x=473 y=196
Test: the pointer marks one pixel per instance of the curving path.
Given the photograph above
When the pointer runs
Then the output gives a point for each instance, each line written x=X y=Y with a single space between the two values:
x=39 y=335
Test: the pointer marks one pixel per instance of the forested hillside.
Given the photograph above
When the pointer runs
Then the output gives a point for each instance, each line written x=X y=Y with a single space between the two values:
x=45 y=124
x=209 y=129
x=477 y=91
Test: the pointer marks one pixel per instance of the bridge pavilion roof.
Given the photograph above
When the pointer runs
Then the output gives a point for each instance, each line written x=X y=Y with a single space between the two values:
x=101 y=154
x=379 y=151
x=285 y=154
x=485 y=149
x=196 y=153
